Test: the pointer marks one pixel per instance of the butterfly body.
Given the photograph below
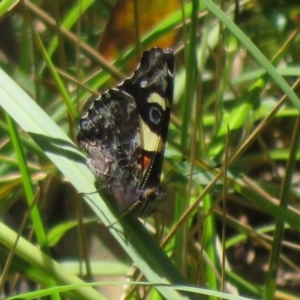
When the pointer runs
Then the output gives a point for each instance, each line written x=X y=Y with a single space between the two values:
x=125 y=130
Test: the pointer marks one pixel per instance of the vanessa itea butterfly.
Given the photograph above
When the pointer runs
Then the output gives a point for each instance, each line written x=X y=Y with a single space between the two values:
x=125 y=131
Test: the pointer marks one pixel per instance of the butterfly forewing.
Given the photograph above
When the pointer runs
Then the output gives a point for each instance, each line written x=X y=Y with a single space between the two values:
x=125 y=131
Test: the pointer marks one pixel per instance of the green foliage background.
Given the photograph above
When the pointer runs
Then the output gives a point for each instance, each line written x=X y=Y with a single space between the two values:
x=233 y=231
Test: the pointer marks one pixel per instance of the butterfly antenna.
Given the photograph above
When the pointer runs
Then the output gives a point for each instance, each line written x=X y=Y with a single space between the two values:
x=195 y=173
x=125 y=213
x=94 y=192
x=175 y=167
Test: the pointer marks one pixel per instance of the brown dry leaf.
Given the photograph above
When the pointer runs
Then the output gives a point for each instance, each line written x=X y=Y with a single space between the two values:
x=120 y=29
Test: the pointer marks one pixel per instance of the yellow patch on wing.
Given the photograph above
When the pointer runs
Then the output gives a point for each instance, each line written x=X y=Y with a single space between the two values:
x=149 y=139
x=156 y=98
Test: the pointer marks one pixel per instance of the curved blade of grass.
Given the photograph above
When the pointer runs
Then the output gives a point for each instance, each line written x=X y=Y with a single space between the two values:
x=43 y=264
x=257 y=54
x=137 y=242
x=59 y=83
x=200 y=291
x=28 y=186
x=6 y=6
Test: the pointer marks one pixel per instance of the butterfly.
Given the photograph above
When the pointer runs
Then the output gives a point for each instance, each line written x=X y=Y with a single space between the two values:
x=124 y=134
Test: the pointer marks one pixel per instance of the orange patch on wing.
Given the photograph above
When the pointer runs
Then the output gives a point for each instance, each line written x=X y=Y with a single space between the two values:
x=145 y=162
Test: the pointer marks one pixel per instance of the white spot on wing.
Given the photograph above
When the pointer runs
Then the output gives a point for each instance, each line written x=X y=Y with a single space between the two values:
x=144 y=84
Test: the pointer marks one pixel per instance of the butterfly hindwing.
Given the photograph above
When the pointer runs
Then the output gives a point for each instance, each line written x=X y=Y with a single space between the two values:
x=125 y=131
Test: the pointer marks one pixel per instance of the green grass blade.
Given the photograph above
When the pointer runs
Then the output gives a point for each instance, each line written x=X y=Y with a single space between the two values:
x=257 y=54
x=44 y=264
x=137 y=242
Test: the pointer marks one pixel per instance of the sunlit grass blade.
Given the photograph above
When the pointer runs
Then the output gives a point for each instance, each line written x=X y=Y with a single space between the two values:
x=46 y=267
x=139 y=244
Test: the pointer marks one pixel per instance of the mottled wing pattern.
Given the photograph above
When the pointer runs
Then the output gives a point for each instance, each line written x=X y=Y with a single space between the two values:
x=124 y=134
